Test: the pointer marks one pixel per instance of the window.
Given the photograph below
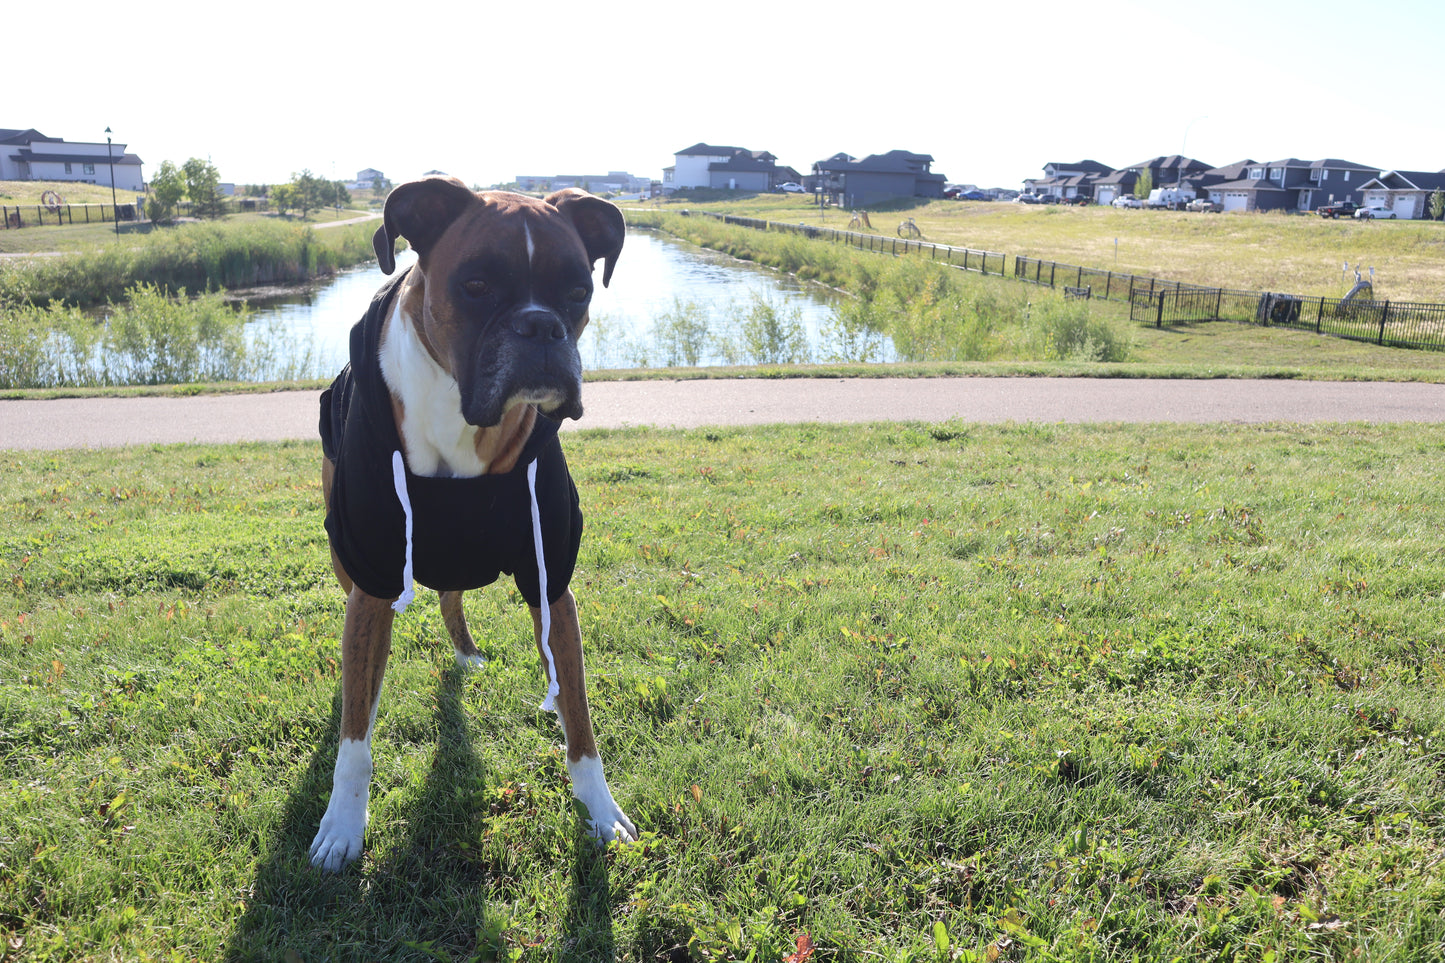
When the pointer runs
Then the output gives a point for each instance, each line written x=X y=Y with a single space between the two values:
x=1319 y=175
x=1256 y=173
x=67 y=167
x=1276 y=173
x=89 y=168
x=1347 y=175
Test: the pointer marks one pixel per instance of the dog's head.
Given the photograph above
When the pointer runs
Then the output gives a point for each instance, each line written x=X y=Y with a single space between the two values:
x=508 y=280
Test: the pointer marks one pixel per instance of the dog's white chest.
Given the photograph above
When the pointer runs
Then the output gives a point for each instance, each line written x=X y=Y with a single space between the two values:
x=437 y=439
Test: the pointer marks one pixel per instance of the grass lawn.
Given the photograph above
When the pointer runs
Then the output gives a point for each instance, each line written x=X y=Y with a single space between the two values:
x=84 y=237
x=1259 y=252
x=912 y=692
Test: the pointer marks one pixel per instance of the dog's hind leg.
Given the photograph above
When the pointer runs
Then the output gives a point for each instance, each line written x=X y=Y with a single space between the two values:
x=605 y=818
x=468 y=655
x=365 y=647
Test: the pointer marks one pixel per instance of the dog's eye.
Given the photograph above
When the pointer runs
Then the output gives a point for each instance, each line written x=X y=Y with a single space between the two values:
x=476 y=287
x=579 y=293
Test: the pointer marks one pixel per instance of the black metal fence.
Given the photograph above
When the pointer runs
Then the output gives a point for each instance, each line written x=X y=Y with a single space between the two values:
x=1397 y=324
x=16 y=216
x=1151 y=300
x=982 y=262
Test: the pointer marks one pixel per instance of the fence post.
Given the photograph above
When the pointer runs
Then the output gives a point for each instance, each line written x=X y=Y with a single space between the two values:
x=1218 y=300
x=1320 y=317
x=1159 y=317
x=1383 y=315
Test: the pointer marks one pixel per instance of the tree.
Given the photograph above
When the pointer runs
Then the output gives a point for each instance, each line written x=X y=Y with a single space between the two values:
x=203 y=187
x=283 y=196
x=1144 y=184
x=168 y=186
x=1437 y=205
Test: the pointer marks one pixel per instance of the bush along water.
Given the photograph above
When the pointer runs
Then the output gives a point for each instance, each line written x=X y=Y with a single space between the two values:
x=198 y=257
x=147 y=338
x=929 y=311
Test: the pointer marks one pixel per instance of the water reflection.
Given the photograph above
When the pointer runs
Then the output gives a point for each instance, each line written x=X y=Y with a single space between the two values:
x=652 y=275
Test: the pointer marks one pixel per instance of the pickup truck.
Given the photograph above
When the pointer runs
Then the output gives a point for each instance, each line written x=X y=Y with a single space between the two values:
x=1346 y=208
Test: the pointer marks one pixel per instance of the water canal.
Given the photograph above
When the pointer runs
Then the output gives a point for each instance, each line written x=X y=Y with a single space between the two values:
x=660 y=286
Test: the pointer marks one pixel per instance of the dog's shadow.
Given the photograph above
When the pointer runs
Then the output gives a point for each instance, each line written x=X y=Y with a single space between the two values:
x=425 y=899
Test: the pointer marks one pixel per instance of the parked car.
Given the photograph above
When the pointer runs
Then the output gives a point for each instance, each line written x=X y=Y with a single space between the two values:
x=1374 y=213
x=792 y=187
x=1078 y=200
x=1204 y=204
x=1347 y=208
x=1128 y=200
x=974 y=196
x=1028 y=199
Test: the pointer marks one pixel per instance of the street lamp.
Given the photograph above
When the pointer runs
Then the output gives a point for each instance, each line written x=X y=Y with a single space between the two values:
x=110 y=162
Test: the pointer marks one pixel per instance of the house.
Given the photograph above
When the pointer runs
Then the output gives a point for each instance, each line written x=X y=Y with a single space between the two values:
x=1114 y=185
x=365 y=178
x=724 y=168
x=28 y=155
x=877 y=178
x=1332 y=181
x=611 y=182
x=1068 y=180
x=1407 y=193
x=1289 y=184
x=1166 y=171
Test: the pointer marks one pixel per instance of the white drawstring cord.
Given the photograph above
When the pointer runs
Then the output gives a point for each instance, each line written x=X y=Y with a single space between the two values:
x=398 y=480
x=549 y=704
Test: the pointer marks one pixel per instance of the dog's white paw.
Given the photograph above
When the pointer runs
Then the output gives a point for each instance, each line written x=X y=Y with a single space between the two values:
x=338 y=841
x=469 y=662
x=605 y=818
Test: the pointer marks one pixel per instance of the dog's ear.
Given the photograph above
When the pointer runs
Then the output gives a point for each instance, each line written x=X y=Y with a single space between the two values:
x=598 y=222
x=418 y=211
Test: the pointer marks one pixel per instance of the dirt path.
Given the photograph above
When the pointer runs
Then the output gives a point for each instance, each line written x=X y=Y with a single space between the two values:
x=109 y=422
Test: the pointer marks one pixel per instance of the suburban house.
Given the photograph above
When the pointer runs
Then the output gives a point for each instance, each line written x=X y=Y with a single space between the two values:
x=725 y=168
x=1107 y=187
x=28 y=155
x=612 y=181
x=365 y=178
x=877 y=178
x=1166 y=171
x=1068 y=180
x=1407 y=193
x=1289 y=184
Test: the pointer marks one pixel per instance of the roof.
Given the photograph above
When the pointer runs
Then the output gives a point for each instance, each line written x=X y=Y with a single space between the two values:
x=1248 y=184
x=1408 y=181
x=10 y=135
x=743 y=161
x=34 y=158
x=893 y=162
x=708 y=150
x=1171 y=161
x=1286 y=162
x=1083 y=167
x=1334 y=163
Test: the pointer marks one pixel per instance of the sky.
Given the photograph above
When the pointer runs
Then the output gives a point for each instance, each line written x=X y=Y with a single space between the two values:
x=487 y=92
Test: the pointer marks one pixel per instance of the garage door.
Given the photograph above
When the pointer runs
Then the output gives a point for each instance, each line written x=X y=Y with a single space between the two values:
x=1105 y=195
x=1235 y=200
x=1405 y=206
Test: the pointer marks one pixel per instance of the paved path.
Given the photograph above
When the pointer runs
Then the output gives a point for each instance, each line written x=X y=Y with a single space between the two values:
x=107 y=422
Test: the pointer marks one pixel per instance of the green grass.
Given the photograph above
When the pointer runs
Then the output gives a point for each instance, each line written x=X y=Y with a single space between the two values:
x=1258 y=252
x=1032 y=692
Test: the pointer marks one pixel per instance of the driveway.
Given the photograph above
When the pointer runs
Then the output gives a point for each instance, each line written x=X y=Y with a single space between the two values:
x=109 y=422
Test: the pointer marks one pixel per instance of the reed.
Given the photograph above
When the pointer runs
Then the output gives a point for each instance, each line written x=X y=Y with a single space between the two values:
x=929 y=311
x=197 y=257
x=147 y=338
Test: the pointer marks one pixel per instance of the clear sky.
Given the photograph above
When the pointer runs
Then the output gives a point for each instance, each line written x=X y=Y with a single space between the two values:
x=992 y=91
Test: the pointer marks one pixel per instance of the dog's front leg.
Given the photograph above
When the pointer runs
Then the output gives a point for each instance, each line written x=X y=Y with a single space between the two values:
x=365 y=646
x=605 y=818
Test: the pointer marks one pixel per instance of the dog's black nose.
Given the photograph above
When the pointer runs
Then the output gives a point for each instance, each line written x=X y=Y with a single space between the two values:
x=538 y=323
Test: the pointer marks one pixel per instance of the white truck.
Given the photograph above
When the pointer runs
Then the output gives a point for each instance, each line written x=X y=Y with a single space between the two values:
x=1174 y=198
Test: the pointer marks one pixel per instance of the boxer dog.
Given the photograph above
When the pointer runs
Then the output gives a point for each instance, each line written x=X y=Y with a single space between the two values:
x=442 y=464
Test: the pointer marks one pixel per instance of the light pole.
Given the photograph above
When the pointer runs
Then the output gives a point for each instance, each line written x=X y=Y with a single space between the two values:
x=110 y=162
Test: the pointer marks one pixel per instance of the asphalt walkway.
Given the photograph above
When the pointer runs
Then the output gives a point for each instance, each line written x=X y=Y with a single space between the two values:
x=110 y=422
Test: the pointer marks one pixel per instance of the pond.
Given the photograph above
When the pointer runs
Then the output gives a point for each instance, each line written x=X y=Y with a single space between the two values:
x=668 y=302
